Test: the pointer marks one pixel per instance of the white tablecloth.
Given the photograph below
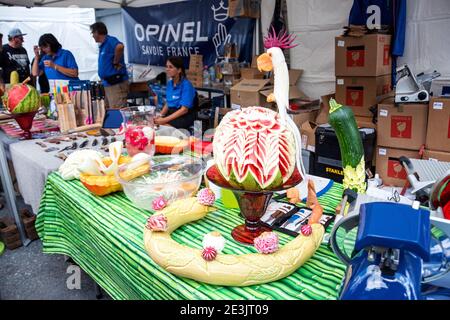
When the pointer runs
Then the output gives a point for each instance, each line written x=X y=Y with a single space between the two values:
x=32 y=164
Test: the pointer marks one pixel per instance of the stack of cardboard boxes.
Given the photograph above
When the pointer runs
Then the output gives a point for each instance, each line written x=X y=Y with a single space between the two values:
x=363 y=73
x=195 y=72
x=438 y=132
x=401 y=131
x=253 y=91
x=248 y=92
x=363 y=68
x=413 y=131
x=252 y=72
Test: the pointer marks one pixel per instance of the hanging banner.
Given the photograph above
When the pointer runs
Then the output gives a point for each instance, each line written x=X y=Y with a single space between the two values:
x=183 y=28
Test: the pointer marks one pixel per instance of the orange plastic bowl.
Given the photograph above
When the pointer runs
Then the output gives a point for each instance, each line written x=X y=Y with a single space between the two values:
x=103 y=185
x=169 y=145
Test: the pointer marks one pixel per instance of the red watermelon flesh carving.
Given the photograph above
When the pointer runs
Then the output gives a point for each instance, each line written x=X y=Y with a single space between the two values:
x=253 y=150
x=21 y=98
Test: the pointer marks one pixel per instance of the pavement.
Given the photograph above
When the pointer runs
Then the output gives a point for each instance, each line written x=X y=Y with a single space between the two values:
x=26 y=273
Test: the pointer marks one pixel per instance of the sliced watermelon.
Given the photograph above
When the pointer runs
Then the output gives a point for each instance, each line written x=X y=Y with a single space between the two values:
x=22 y=98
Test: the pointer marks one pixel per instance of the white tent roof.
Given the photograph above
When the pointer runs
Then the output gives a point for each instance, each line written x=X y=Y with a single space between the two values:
x=99 y=4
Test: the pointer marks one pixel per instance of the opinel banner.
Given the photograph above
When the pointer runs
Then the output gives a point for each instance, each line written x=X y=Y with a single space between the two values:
x=184 y=28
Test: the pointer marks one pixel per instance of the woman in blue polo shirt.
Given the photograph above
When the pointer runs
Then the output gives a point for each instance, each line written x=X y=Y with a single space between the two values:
x=180 y=94
x=57 y=63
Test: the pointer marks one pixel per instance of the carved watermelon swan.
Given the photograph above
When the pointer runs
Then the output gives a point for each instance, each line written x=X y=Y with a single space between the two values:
x=253 y=150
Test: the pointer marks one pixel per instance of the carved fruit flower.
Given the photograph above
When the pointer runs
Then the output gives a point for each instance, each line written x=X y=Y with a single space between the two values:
x=157 y=222
x=266 y=243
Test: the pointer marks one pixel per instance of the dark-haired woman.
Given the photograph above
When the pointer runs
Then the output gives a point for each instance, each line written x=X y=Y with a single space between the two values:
x=57 y=63
x=180 y=95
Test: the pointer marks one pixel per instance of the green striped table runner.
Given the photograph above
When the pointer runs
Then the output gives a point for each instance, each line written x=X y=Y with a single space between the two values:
x=104 y=235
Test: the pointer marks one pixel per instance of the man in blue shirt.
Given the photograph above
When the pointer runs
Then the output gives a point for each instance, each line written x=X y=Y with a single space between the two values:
x=57 y=63
x=111 y=66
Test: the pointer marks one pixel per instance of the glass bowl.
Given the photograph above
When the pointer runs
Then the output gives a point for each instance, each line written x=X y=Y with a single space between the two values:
x=172 y=176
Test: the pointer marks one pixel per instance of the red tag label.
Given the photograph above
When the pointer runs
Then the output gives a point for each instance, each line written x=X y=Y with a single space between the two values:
x=448 y=134
x=386 y=54
x=401 y=127
x=386 y=88
x=396 y=170
x=355 y=58
x=354 y=97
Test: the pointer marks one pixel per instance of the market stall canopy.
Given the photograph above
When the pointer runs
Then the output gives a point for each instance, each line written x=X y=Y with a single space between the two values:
x=98 y=4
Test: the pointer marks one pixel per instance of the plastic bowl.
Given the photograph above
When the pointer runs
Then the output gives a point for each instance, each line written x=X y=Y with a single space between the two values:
x=172 y=176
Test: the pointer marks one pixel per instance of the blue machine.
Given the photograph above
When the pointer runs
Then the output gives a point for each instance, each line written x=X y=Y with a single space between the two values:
x=392 y=242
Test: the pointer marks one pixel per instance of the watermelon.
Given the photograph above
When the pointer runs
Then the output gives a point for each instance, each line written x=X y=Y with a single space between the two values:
x=253 y=150
x=21 y=98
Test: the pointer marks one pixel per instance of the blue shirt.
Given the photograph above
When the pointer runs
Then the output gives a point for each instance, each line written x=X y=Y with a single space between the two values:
x=63 y=58
x=106 y=60
x=181 y=95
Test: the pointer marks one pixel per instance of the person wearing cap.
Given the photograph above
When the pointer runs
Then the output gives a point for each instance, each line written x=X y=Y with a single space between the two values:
x=57 y=63
x=111 y=66
x=14 y=57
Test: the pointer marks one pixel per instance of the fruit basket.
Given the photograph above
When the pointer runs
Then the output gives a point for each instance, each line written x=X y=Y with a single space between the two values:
x=172 y=177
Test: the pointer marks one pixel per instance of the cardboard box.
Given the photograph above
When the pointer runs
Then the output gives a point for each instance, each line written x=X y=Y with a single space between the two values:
x=251 y=73
x=402 y=126
x=308 y=133
x=440 y=87
x=294 y=76
x=322 y=116
x=294 y=91
x=247 y=93
x=244 y=8
x=365 y=122
x=438 y=132
x=436 y=155
x=296 y=105
x=366 y=56
x=295 y=95
x=304 y=115
x=362 y=93
x=231 y=79
x=389 y=167
x=196 y=62
x=195 y=77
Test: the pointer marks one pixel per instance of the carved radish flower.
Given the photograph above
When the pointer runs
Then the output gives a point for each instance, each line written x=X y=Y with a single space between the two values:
x=209 y=253
x=157 y=222
x=266 y=243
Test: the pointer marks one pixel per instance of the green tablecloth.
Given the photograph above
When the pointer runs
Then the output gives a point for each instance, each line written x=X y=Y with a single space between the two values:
x=104 y=235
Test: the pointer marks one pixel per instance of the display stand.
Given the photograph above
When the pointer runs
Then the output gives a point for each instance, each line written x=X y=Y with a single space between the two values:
x=10 y=194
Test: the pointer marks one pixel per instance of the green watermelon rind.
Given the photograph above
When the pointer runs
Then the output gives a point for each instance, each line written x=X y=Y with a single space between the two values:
x=251 y=184
x=31 y=102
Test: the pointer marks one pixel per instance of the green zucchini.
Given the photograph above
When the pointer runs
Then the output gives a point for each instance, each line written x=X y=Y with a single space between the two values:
x=342 y=119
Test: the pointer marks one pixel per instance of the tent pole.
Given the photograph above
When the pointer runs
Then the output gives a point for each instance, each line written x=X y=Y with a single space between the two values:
x=10 y=194
x=258 y=45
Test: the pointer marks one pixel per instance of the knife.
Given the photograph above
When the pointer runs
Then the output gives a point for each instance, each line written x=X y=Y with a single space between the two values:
x=88 y=104
x=93 y=102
